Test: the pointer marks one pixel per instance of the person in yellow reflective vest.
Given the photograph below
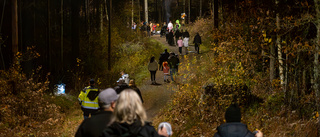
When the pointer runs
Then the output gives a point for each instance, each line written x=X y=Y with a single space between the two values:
x=88 y=99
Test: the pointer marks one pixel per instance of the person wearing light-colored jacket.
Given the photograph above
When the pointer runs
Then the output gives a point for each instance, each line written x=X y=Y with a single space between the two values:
x=153 y=67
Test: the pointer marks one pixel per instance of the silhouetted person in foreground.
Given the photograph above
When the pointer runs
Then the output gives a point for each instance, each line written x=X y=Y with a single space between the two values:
x=133 y=86
x=129 y=118
x=234 y=127
x=93 y=126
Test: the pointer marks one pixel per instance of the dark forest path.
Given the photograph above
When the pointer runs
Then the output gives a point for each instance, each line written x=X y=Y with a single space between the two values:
x=157 y=96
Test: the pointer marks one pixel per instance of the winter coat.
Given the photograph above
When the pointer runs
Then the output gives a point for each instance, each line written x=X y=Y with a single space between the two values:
x=197 y=39
x=136 y=89
x=166 y=68
x=233 y=129
x=93 y=126
x=180 y=43
x=130 y=130
x=120 y=87
x=186 y=42
x=173 y=62
x=186 y=34
x=153 y=66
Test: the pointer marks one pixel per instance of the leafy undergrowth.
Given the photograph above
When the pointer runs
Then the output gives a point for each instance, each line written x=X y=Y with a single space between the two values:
x=230 y=68
x=26 y=110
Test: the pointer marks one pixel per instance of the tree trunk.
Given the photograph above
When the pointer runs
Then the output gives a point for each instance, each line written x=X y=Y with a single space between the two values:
x=146 y=10
x=189 y=10
x=109 y=39
x=316 y=59
x=101 y=16
x=200 y=14
x=215 y=14
x=139 y=10
x=15 y=30
x=61 y=32
x=272 y=62
x=75 y=31
x=280 y=59
x=132 y=4
x=48 y=36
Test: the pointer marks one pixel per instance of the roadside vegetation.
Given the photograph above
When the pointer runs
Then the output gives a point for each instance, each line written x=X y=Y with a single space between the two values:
x=234 y=67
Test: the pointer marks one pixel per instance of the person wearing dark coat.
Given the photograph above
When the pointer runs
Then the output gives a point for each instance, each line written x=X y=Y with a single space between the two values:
x=186 y=34
x=133 y=86
x=129 y=118
x=163 y=57
x=170 y=38
x=121 y=86
x=233 y=127
x=93 y=126
x=173 y=62
x=177 y=34
x=197 y=42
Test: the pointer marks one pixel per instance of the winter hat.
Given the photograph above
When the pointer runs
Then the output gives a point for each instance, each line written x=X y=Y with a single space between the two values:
x=167 y=126
x=91 y=81
x=107 y=96
x=233 y=113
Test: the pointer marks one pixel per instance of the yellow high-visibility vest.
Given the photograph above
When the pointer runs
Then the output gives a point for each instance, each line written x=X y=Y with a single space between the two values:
x=84 y=99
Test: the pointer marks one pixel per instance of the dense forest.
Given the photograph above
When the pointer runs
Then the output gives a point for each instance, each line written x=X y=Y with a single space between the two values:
x=262 y=54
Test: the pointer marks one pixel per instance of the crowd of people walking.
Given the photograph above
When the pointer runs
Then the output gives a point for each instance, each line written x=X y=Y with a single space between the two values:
x=118 y=111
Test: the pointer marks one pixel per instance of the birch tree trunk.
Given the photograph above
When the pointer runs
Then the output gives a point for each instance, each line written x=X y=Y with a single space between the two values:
x=316 y=59
x=15 y=39
x=146 y=10
x=280 y=59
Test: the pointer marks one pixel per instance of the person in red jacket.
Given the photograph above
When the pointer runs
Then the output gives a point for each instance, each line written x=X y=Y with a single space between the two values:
x=166 y=73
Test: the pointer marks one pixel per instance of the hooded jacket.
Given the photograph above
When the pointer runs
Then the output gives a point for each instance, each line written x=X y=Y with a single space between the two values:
x=233 y=129
x=130 y=130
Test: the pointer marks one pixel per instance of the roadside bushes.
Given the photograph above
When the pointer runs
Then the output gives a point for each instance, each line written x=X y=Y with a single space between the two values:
x=24 y=107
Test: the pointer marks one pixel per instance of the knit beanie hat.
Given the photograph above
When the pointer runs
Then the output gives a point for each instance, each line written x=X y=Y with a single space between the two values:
x=233 y=113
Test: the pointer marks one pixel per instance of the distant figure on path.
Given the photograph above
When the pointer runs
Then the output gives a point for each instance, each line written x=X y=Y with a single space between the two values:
x=153 y=67
x=186 y=40
x=163 y=57
x=173 y=64
x=171 y=38
x=180 y=45
x=170 y=26
x=88 y=99
x=234 y=127
x=197 y=42
x=166 y=70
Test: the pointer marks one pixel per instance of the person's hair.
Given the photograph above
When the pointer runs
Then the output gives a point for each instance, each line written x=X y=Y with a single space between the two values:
x=129 y=108
x=152 y=59
x=132 y=83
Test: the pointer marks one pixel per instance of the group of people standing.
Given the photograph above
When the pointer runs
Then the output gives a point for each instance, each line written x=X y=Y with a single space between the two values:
x=116 y=114
x=168 y=63
x=124 y=115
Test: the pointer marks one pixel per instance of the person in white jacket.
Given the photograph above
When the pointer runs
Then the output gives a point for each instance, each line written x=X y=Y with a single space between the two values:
x=170 y=26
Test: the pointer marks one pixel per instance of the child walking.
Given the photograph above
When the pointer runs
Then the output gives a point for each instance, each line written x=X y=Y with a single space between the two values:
x=165 y=71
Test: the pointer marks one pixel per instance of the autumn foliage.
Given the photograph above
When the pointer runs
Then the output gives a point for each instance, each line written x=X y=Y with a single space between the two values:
x=235 y=61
